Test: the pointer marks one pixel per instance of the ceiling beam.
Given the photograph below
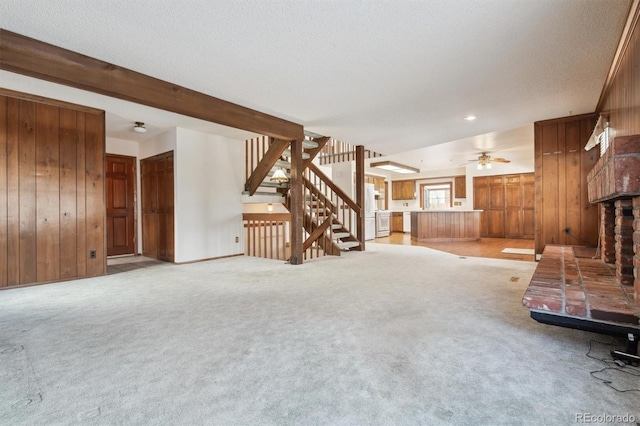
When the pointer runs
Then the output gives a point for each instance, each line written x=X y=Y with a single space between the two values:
x=33 y=58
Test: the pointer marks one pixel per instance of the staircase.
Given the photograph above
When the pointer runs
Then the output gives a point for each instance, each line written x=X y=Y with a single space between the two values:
x=330 y=216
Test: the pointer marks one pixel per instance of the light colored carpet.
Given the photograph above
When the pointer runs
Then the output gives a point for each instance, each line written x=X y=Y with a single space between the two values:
x=394 y=335
x=518 y=251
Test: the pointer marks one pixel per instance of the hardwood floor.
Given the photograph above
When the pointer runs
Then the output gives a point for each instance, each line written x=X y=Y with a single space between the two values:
x=485 y=247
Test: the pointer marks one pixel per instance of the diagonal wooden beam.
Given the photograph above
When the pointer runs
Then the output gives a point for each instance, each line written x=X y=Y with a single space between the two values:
x=317 y=233
x=313 y=152
x=33 y=58
x=261 y=171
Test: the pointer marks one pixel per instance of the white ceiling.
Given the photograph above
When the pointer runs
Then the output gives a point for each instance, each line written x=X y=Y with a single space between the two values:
x=395 y=76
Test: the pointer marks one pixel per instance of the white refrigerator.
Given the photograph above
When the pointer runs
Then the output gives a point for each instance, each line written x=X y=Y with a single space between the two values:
x=369 y=211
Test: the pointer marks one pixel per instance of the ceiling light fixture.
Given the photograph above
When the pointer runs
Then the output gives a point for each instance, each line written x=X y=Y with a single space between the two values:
x=139 y=127
x=279 y=176
x=395 y=167
x=470 y=117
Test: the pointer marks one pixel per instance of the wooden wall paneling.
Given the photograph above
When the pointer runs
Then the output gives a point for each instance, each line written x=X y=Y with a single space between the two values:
x=81 y=195
x=549 y=186
x=528 y=206
x=47 y=193
x=68 y=194
x=561 y=167
x=95 y=197
x=13 y=191
x=573 y=185
x=3 y=191
x=27 y=193
x=561 y=187
x=621 y=100
x=589 y=213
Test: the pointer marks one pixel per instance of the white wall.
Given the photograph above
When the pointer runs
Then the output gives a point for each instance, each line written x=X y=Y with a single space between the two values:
x=208 y=191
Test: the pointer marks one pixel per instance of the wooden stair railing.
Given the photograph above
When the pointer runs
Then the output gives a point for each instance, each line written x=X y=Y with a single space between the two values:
x=336 y=203
x=330 y=215
x=267 y=235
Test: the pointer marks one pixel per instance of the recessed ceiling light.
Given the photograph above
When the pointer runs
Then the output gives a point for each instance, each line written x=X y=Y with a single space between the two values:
x=470 y=117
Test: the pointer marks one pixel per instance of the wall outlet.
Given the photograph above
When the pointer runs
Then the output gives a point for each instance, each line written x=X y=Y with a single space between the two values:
x=92 y=254
x=237 y=239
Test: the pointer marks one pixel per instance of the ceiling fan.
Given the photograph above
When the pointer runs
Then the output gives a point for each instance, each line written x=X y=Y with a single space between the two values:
x=484 y=161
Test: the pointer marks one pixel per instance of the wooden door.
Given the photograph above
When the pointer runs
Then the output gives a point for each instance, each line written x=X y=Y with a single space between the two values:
x=121 y=229
x=157 y=207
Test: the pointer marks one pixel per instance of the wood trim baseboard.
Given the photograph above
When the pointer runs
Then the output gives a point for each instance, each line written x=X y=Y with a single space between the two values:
x=209 y=258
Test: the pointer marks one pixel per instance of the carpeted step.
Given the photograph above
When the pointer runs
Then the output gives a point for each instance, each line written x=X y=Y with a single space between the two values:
x=307 y=144
x=337 y=235
x=346 y=245
x=287 y=153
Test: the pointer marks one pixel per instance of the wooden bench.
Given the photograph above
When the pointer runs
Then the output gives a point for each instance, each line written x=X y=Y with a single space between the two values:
x=583 y=293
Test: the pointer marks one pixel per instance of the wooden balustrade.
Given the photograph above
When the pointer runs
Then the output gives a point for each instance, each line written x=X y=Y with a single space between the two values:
x=335 y=151
x=267 y=235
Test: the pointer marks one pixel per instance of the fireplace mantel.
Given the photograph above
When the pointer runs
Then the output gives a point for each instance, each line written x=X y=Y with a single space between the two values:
x=617 y=172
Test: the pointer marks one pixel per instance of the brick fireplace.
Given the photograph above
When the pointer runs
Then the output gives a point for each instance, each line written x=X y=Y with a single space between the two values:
x=614 y=183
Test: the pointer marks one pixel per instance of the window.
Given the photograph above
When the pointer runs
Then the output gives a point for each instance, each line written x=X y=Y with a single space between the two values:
x=435 y=196
x=604 y=139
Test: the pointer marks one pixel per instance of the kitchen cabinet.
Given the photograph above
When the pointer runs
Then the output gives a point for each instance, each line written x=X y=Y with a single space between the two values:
x=403 y=190
x=460 y=187
x=396 y=222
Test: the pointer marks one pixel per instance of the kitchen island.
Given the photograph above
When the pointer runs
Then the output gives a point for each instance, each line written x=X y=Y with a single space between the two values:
x=445 y=225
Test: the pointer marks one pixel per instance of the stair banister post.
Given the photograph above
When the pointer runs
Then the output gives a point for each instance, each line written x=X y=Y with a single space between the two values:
x=297 y=202
x=360 y=194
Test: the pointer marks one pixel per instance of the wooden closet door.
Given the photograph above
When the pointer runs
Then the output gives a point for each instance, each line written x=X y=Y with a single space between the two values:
x=149 y=207
x=496 y=211
x=481 y=202
x=165 y=212
x=158 y=207
x=513 y=205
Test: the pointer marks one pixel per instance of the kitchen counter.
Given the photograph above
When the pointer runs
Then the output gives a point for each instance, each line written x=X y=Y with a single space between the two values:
x=445 y=225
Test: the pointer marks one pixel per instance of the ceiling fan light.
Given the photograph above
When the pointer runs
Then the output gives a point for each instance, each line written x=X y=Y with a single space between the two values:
x=479 y=166
x=139 y=127
x=488 y=165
